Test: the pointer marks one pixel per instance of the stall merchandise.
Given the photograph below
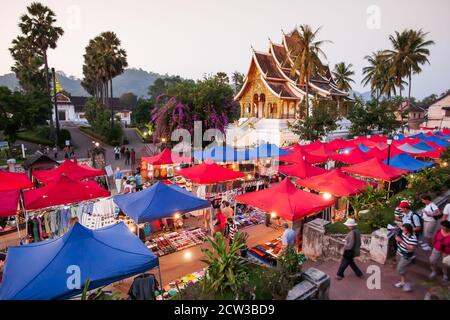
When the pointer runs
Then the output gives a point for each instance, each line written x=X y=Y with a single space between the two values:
x=247 y=216
x=176 y=241
x=267 y=253
x=104 y=256
x=173 y=287
x=55 y=222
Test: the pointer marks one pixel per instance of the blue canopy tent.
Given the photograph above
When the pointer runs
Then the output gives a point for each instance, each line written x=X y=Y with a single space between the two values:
x=406 y=162
x=266 y=151
x=363 y=148
x=159 y=201
x=438 y=141
x=48 y=270
x=423 y=146
x=231 y=154
x=419 y=135
x=220 y=154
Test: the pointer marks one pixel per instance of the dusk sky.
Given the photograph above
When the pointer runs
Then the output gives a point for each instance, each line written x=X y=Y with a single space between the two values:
x=192 y=38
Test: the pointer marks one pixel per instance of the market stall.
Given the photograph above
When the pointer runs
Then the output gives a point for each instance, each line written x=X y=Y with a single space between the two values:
x=377 y=170
x=335 y=184
x=71 y=169
x=42 y=271
x=406 y=162
x=161 y=212
x=284 y=202
x=50 y=210
x=162 y=166
x=9 y=203
x=298 y=154
x=299 y=170
x=353 y=156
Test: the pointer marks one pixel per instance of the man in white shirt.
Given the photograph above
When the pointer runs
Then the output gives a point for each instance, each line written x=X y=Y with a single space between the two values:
x=430 y=215
x=446 y=212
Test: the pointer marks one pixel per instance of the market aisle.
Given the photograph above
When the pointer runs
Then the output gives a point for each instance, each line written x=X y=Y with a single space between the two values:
x=182 y=263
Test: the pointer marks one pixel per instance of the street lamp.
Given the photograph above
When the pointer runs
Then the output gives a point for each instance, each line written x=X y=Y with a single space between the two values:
x=389 y=143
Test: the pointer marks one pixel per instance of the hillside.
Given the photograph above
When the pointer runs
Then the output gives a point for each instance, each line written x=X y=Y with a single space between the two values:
x=132 y=80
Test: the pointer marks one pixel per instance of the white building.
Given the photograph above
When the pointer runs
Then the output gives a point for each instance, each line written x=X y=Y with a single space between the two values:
x=71 y=109
x=438 y=115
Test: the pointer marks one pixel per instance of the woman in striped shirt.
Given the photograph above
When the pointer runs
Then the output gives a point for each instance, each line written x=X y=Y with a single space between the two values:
x=406 y=244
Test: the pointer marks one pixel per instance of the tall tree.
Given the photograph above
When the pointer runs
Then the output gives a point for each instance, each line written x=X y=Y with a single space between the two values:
x=397 y=57
x=305 y=54
x=38 y=26
x=417 y=54
x=343 y=75
x=378 y=75
x=104 y=59
x=28 y=65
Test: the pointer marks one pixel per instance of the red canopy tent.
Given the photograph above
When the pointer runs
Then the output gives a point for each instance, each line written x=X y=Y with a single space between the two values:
x=375 y=168
x=320 y=152
x=312 y=146
x=434 y=154
x=64 y=190
x=14 y=181
x=298 y=155
x=378 y=138
x=377 y=153
x=301 y=170
x=339 y=143
x=409 y=140
x=334 y=182
x=286 y=200
x=9 y=203
x=71 y=169
x=208 y=173
x=166 y=157
x=351 y=157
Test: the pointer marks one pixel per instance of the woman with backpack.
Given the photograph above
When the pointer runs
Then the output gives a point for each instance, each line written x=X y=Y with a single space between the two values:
x=441 y=250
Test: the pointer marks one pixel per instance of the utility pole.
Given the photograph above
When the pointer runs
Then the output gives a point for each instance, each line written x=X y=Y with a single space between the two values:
x=55 y=101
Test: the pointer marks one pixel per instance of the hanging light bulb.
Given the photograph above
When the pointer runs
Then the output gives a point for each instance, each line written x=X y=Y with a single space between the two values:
x=273 y=215
x=327 y=196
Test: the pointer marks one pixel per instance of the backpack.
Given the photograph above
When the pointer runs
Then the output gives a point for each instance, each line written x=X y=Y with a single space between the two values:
x=420 y=222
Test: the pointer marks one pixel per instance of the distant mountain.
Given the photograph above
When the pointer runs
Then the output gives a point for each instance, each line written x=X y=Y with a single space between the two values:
x=132 y=80
x=366 y=96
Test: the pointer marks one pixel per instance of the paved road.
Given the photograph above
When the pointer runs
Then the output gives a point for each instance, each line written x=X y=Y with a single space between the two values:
x=83 y=143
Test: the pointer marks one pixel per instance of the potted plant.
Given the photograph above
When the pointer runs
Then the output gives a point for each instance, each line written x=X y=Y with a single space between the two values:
x=242 y=237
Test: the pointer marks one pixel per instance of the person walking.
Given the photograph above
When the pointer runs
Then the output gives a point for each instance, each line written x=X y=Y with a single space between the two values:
x=226 y=209
x=122 y=152
x=406 y=244
x=220 y=222
x=72 y=151
x=351 y=250
x=118 y=179
x=116 y=152
x=138 y=179
x=127 y=157
x=441 y=249
x=55 y=152
x=288 y=238
x=133 y=158
x=431 y=215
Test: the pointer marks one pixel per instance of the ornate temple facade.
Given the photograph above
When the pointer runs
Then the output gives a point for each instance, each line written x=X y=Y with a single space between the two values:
x=271 y=92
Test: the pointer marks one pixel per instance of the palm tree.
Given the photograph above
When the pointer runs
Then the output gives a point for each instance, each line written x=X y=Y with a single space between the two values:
x=38 y=26
x=397 y=57
x=378 y=75
x=342 y=75
x=306 y=56
x=104 y=59
x=417 y=54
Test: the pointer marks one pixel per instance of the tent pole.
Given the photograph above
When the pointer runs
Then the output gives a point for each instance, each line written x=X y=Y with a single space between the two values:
x=160 y=279
x=17 y=225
